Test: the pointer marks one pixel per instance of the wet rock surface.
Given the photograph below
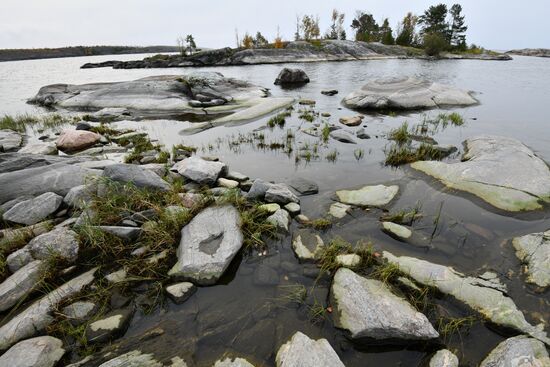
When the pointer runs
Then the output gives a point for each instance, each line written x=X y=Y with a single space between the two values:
x=378 y=195
x=534 y=250
x=518 y=351
x=301 y=351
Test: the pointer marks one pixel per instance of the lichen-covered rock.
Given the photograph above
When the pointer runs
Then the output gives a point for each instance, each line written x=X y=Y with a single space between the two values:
x=479 y=294
x=199 y=170
x=60 y=242
x=34 y=210
x=307 y=245
x=75 y=140
x=444 y=358
x=21 y=283
x=406 y=93
x=534 y=250
x=378 y=195
x=208 y=244
x=367 y=308
x=42 y=351
x=518 y=351
x=499 y=170
x=301 y=351
x=140 y=177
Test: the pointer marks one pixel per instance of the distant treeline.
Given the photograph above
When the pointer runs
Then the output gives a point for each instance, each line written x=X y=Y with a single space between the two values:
x=48 y=53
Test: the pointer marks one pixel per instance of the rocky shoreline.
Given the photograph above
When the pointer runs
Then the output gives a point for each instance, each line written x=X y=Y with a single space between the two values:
x=298 y=51
x=535 y=52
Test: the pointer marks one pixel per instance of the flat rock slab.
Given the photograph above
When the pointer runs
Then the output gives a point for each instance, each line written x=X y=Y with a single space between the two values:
x=125 y=233
x=199 y=170
x=367 y=308
x=518 y=351
x=75 y=140
x=45 y=148
x=304 y=186
x=478 y=293
x=110 y=326
x=343 y=137
x=500 y=170
x=339 y=210
x=34 y=210
x=301 y=351
x=443 y=358
x=10 y=140
x=60 y=242
x=534 y=250
x=131 y=173
x=280 y=194
x=21 y=284
x=38 y=315
x=58 y=178
x=378 y=195
x=397 y=231
x=208 y=244
x=406 y=93
x=42 y=351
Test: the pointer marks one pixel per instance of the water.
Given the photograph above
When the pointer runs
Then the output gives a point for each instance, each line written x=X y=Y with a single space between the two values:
x=242 y=318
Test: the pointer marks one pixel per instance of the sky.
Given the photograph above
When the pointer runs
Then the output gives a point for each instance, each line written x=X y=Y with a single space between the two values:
x=494 y=24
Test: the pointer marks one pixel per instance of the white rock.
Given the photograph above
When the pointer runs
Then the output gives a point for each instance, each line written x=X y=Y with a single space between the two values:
x=339 y=210
x=301 y=351
x=180 y=292
x=42 y=351
x=378 y=195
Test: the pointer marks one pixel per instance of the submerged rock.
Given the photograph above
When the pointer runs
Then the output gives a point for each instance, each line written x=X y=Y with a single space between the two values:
x=443 y=358
x=406 y=93
x=180 y=292
x=500 y=170
x=42 y=351
x=378 y=195
x=21 y=284
x=199 y=170
x=534 y=250
x=75 y=140
x=303 y=186
x=339 y=210
x=518 y=351
x=307 y=245
x=396 y=230
x=367 y=308
x=342 y=137
x=38 y=315
x=140 y=177
x=34 y=210
x=477 y=293
x=292 y=76
x=109 y=326
x=301 y=351
x=208 y=244
x=10 y=140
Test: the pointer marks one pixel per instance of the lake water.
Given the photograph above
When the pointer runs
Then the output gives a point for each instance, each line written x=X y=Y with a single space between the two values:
x=243 y=318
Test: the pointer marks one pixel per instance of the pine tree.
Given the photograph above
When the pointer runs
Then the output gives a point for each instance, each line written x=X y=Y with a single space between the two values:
x=386 y=33
x=260 y=41
x=366 y=28
x=457 y=37
x=191 y=45
x=434 y=20
x=407 y=30
x=336 y=29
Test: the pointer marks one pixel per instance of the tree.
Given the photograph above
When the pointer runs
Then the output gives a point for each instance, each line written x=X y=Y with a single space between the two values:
x=181 y=45
x=260 y=40
x=336 y=30
x=386 y=33
x=457 y=38
x=406 y=31
x=366 y=28
x=434 y=43
x=310 y=27
x=237 y=40
x=297 y=35
x=191 y=46
x=248 y=41
x=434 y=20
x=278 y=42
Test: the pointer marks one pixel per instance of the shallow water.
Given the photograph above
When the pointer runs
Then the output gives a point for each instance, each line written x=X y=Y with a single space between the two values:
x=252 y=320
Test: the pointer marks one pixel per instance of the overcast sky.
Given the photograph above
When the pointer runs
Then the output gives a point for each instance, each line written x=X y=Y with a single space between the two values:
x=496 y=24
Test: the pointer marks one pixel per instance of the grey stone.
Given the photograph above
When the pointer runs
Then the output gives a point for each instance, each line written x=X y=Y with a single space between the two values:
x=37 y=316
x=46 y=148
x=10 y=140
x=348 y=260
x=180 y=292
x=378 y=195
x=60 y=242
x=303 y=186
x=307 y=245
x=137 y=358
x=444 y=358
x=329 y=92
x=265 y=275
x=280 y=219
x=230 y=184
x=237 y=176
x=18 y=259
x=199 y=170
x=518 y=351
x=301 y=351
x=237 y=362
x=477 y=293
x=351 y=120
x=342 y=136
x=208 y=244
x=280 y=194
x=109 y=327
x=339 y=210
x=292 y=76
x=118 y=276
x=21 y=284
x=499 y=170
x=367 y=308
x=397 y=230
x=293 y=208
x=58 y=178
x=361 y=134
x=258 y=189
x=142 y=178
x=406 y=93
x=125 y=233
x=79 y=312
x=34 y=210
x=80 y=196
x=42 y=351
x=534 y=250
x=10 y=204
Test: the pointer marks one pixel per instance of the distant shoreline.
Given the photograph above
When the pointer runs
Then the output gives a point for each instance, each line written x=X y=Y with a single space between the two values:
x=76 y=51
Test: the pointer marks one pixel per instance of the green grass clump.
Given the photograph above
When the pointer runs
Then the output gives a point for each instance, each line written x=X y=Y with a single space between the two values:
x=398 y=155
x=20 y=123
x=337 y=246
x=332 y=156
x=404 y=216
x=387 y=272
x=325 y=133
x=448 y=326
x=401 y=134
x=278 y=120
x=308 y=116
x=320 y=224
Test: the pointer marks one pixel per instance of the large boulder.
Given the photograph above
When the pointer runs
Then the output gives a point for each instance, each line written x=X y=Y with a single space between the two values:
x=199 y=170
x=58 y=178
x=35 y=318
x=367 y=308
x=479 y=294
x=378 y=195
x=280 y=194
x=21 y=284
x=208 y=244
x=518 y=351
x=10 y=140
x=534 y=250
x=407 y=93
x=75 y=140
x=301 y=351
x=292 y=76
x=500 y=170
x=34 y=210
x=42 y=351
x=139 y=176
